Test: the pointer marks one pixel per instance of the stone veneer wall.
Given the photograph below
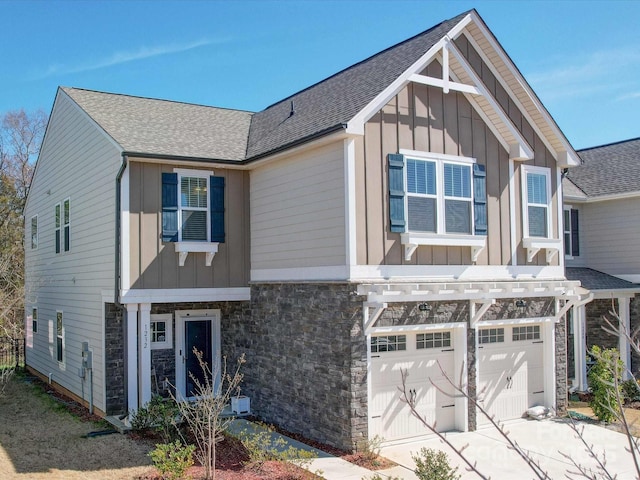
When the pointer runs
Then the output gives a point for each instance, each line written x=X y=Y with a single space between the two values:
x=114 y=343
x=595 y=310
x=162 y=360
x=562 y=387
x=306 y=368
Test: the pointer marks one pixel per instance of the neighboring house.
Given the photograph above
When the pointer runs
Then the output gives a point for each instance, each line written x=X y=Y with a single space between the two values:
x=405 y=213
x=602 y=214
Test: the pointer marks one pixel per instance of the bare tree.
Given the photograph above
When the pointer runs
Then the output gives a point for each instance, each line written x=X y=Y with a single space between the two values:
x=21 y=135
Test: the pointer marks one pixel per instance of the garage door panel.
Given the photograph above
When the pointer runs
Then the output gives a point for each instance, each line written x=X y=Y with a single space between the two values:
x=390 y=416
x=511 y=373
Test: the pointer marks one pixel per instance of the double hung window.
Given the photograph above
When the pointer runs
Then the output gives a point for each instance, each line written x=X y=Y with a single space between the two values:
x=63 y=226
x=193 y=209
x=439 y=197
x=537 y=201
x=571 y=233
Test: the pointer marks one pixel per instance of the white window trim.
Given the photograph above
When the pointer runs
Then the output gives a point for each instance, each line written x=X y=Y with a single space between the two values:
x=526 y=170
x=183 y=248
x=34 y=245
x=534 y=244
x=411 y=240
x=34 y=319
x=62 y=337
x=65 y=222
x=168 y=339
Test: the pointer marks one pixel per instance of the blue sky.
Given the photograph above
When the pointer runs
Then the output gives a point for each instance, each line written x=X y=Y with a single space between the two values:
x=581 y=58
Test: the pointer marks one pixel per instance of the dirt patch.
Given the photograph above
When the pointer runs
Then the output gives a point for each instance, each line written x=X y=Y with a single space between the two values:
x=41 y=439
x=44 y=435
x=631 y=413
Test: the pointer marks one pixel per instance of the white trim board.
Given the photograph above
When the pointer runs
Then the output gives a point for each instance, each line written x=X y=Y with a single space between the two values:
x=178 y=295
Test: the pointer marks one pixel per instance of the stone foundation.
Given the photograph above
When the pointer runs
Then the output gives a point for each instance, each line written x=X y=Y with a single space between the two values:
x=115 y=344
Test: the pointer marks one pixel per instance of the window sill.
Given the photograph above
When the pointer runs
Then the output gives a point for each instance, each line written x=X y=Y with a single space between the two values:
x=534 y=244
x=411 y=241
x=184 y=248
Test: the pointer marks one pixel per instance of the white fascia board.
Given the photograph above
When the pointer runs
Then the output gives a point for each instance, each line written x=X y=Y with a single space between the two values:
x=615 y=293
x=356 y=124
x=524 y=151
x=571 y=157
x=178 y=295
x=603 y=198
x=302 y=274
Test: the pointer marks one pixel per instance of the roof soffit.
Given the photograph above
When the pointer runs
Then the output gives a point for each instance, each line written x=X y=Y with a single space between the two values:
x=513 y=81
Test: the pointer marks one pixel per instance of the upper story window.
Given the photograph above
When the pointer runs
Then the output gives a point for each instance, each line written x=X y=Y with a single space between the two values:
x=571 y=233
x=192 y=206
x=438 y=194
x=536 y=201
x=63 y=226
x=34 y=232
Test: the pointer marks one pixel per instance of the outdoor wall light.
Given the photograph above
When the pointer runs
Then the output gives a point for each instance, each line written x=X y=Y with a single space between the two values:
x=521 y=303
x=424 y=307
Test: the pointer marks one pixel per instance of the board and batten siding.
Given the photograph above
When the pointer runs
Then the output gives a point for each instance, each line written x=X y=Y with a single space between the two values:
x=298 y=210
x=78 y=162
x=425 y=119
x=154 y=263
x=609 y=236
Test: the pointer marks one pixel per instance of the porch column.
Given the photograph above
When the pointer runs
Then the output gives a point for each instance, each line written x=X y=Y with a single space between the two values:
x=580 y=346
x=145 y=353
x=132 y=356
x=623 y=341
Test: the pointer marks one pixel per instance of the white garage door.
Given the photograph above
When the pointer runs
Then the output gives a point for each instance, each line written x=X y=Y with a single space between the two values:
x=419 y=354
x=510 y=370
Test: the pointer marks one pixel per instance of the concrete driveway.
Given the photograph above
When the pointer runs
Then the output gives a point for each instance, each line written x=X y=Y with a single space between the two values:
x=543 y=439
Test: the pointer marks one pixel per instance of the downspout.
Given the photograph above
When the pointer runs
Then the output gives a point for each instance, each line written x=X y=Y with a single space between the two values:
x=116 y=291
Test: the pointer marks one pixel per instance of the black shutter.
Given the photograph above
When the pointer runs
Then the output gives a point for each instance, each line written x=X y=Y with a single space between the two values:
x=216 y=205
x=575 y=234
x=396 y=193
x=480 y=199
x=169 y=207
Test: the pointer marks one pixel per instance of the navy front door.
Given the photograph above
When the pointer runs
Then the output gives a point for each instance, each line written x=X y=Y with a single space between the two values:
x=198 y=336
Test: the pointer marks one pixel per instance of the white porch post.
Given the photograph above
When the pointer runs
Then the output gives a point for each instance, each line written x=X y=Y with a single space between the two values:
x=145 y=353
x=623 y=341
x=580 y=346
x=132 y=356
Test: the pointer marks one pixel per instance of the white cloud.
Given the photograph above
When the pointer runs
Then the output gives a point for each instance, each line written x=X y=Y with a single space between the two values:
x=119 y=58
x=628 y=96
x=579 y=76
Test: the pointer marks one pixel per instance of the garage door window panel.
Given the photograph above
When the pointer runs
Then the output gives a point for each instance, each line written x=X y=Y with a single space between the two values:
x=433 y=340
x=526 y=332
x=491 y=335
x=388 y=343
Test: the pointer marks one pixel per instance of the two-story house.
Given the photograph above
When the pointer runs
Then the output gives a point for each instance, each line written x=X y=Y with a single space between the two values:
x=404 y=213
x=602 y=208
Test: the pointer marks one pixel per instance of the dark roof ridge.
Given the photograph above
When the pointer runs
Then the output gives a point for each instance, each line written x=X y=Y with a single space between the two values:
x=377 y=54
x=63 y=88
x=619 y=142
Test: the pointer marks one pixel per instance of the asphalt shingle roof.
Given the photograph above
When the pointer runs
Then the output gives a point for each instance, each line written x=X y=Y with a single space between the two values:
x=161 y=127
x=594 y=280
x=608 y=169
x=339 y=98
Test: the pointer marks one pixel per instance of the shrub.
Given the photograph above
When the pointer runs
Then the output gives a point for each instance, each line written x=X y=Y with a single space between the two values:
x=6 y=373
x=631 y=390
x=434 y=465
x=370 y=449
x=172 y=459
x=604 y=377
x=159 y=415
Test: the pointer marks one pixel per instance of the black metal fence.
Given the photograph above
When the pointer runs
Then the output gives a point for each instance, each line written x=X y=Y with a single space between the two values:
x=11 y=352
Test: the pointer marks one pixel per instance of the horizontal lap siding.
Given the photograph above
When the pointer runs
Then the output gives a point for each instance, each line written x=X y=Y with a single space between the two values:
x=609 y=236
x=425 y=119
x=298 y=211
x=79 y=162
x=154 y=264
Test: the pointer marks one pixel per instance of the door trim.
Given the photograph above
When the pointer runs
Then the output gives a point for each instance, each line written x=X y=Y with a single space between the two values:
x=181 y=317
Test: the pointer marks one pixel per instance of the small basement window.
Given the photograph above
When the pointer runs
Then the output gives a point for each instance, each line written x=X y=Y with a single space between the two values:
x=388 y=343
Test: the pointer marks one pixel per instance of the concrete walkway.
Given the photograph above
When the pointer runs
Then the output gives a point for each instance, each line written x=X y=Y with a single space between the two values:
x=326 y=465
x=545 y=440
